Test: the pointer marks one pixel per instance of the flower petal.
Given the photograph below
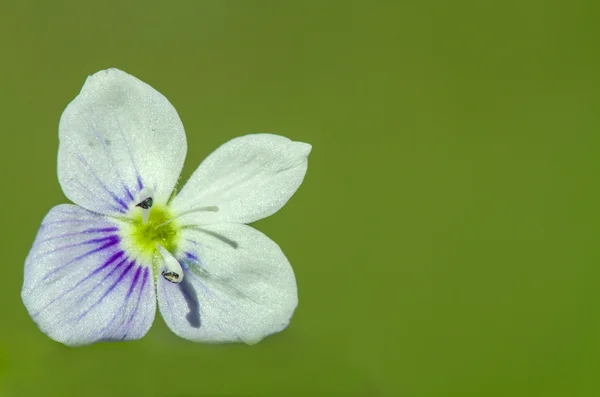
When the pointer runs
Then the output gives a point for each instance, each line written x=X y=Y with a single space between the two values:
x=237 y=286
x=80 y=287
x=118 y=136
x=247 y=178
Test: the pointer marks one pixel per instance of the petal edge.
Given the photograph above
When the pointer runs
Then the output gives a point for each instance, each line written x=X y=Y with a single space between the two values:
x=239 y=292
x=247 y=178
x=116 y=137
x=91 y=290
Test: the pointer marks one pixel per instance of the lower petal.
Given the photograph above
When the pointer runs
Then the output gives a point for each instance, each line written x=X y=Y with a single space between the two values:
x=80 y=286
x=237 y=287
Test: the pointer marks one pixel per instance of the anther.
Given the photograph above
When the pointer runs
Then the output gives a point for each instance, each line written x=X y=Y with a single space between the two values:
x=145 y=203
x=171 y=276
x=171 y=269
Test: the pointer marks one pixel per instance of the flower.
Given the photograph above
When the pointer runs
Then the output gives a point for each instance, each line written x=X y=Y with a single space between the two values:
x=98 y=268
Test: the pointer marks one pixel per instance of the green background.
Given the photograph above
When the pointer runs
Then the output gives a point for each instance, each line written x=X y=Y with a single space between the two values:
x=444 y=240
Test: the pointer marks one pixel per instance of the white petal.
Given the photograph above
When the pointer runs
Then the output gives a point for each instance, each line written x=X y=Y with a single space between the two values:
x=238 y=286
x=118 y=136
x=80 y=287
x=247 y=178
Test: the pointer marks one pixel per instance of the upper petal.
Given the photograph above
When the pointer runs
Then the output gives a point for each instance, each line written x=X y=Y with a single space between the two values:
x=247 y=178
x=237 y=286
x=80 y=286
x=118 y=136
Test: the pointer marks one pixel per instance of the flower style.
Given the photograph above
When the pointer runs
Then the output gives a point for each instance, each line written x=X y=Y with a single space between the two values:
x=97 y=268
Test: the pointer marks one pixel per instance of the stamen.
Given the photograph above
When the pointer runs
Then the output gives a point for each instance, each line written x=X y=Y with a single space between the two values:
x=145 y=203
x=170 y=269
x=210 y=208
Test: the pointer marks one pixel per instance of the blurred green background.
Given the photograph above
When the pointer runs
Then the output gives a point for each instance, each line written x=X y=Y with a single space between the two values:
x=444 y=240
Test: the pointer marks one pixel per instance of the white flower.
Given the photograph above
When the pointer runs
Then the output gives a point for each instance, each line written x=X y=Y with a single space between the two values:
x=97 y=269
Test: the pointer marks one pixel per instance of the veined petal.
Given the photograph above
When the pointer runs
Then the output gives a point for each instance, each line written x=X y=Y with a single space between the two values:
x=237 y=286
x=247 y=178
x=80 y=287
x=118 y=136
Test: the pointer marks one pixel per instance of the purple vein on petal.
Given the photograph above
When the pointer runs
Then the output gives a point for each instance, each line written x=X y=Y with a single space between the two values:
x=191 y=256
x=110 y=192
x=107 y=263
x=87 y=231
x=111 y=159
x=79 y=220
x=76 y=210
x=136 y=277
x=112 y=239
x=88 y=192
x=109 y=290
x=129 y=193
x=137 y=172
x=101 y=282
x=139 y=298
x=109 y=244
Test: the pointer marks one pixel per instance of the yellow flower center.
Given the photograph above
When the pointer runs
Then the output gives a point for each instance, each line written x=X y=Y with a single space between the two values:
x=158 y=230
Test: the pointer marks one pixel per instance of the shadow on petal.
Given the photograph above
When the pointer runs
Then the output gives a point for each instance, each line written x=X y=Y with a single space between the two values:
x=191 y=298
x=233 y=244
